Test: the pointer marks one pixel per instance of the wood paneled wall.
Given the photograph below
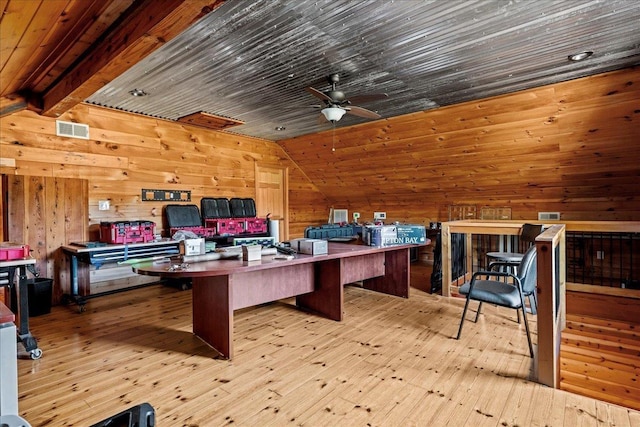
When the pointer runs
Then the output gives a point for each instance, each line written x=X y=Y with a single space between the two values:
x=127 y=152
x=572 y=147
x=45 y=213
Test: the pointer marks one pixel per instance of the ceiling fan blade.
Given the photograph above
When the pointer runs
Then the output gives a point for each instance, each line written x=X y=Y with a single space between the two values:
x=362 y=112
x=318 y=94
x=359 y=99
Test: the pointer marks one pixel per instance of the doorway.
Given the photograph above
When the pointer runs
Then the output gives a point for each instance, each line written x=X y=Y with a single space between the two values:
x=272 y=196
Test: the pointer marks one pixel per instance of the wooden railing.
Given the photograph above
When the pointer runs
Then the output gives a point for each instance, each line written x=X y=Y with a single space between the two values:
x=552 y=276
x=551 y=294
x=550 y=288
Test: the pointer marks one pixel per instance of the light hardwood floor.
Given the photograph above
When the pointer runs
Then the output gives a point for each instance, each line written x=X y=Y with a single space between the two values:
x=391 y=362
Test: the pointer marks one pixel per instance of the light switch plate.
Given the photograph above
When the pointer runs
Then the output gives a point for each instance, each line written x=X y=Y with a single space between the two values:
x=103 y=205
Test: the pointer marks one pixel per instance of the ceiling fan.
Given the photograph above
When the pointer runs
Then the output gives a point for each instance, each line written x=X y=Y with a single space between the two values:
x=336 y=103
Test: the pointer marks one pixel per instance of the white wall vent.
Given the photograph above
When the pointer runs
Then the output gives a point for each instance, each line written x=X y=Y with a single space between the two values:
x=72 y=130
x=548 y=216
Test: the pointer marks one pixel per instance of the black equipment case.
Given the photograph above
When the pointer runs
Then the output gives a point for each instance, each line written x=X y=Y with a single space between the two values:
x=142 y=415
x=186 y=217
x=243 y=208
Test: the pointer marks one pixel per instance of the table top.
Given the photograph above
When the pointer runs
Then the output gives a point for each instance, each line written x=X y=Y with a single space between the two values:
x=17 y=262
x=237 y=265
x=79 y=249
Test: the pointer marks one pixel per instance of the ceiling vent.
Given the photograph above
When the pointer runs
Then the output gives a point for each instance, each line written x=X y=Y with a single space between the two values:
x=72 y=130
x=548 y=216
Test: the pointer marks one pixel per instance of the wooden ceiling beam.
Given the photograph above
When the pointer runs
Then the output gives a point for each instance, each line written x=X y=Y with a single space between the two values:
x=80 y=24
x=144 y=28
x=12 y=104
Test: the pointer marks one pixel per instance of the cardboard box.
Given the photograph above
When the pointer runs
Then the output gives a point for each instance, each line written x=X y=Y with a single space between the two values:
x=313 y=247
x=251 y=252
x=380 y=235
x=411 y=234
x=190 y=247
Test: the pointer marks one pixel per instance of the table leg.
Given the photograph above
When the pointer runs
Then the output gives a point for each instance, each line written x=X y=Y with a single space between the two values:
x=327 y=297
x=23 y=301
x=396 y=279
x=24 y=334
x=79 y=285
x=213 y=312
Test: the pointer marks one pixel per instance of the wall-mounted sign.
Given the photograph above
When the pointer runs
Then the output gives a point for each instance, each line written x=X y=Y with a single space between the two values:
x=166 y=195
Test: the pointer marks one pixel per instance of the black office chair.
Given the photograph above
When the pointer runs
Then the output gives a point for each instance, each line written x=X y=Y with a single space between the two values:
x=508 y=261
x=491 y=287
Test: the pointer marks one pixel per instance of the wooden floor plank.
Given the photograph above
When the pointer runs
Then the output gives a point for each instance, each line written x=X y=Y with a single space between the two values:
x=600 y=358
x=392 y=361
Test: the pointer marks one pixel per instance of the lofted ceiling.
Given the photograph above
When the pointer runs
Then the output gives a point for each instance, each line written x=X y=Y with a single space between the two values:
x=246 y=64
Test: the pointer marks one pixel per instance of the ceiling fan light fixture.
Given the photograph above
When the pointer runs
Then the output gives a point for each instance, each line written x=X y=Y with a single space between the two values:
x=333 y=114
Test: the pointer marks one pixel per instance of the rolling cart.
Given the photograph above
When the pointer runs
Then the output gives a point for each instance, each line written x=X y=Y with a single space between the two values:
x=19 y=301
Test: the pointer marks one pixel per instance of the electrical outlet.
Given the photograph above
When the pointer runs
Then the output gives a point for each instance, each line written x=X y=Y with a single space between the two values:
x=103 y=205
x=379 y=215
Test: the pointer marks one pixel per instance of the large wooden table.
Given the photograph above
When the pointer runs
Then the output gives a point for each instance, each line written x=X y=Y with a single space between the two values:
x=222 y=286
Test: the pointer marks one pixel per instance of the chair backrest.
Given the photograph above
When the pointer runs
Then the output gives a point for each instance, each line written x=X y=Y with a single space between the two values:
x=529 y=232
x=528 y=271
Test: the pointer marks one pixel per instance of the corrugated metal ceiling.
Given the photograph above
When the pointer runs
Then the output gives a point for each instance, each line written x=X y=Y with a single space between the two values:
x=251 y=60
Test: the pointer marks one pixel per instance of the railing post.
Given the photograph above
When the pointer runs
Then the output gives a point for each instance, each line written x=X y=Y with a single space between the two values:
x=550 y=291
x=445 y=238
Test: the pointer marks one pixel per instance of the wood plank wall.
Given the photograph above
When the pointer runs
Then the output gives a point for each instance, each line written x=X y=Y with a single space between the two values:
x=571 y=148
x=127 y=152
x=45 y=213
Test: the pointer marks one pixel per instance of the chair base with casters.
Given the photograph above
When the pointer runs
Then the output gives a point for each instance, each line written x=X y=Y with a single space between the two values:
x=492 y=287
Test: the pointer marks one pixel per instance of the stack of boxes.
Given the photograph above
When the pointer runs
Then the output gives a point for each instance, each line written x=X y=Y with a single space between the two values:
x=310 y=246
x=123 y=232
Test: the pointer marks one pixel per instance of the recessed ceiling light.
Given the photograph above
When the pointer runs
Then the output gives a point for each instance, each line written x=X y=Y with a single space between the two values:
x=580 y=56
x=280 y=128
x=138 y=92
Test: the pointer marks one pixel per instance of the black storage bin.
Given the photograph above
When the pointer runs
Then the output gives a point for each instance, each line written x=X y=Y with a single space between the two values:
x=40 y=290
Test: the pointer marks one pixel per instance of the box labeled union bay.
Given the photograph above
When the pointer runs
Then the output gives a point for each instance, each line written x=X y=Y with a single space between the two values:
x=411 y=234
x=389 y=235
